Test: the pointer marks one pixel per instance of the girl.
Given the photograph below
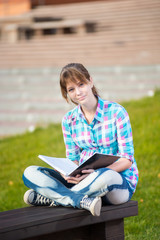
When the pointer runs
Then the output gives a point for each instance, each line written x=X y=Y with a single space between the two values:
x=94 y=125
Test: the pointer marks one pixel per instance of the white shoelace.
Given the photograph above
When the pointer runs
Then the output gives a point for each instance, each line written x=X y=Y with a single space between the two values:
x=41 y=199
x=86 y=202
x=52 y=204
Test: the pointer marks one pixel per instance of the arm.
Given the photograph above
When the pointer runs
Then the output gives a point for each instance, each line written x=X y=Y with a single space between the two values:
x=124 y=141
x=120 y=165
x=72 y=150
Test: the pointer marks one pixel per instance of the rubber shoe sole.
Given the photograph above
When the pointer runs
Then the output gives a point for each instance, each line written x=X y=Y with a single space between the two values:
x=27 y=195
x=95 y=207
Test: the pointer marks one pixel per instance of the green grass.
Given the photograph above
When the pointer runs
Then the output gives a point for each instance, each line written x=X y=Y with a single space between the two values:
x=145 y=119
x=16 y=153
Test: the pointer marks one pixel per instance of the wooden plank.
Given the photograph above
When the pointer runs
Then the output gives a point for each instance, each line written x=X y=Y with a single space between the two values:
x=34 y=221
x=113 y=230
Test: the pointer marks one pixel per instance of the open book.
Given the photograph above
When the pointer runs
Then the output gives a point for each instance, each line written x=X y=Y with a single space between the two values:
x=69 y=168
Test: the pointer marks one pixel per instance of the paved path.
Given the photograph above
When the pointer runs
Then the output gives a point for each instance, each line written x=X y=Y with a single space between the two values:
x=32 y=97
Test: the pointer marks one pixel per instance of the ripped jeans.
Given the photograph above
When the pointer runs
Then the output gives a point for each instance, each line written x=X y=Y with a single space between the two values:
x=103 y=182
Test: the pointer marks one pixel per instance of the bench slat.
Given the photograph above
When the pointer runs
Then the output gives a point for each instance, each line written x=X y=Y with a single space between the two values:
x=33 y=221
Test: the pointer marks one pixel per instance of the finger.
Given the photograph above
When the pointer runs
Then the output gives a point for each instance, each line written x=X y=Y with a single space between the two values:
x=71 y=181
x=71 y=178
x=88 y=171
x=78 y=175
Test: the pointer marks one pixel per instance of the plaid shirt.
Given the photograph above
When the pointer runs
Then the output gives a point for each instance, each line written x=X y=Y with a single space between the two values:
x=109 y=133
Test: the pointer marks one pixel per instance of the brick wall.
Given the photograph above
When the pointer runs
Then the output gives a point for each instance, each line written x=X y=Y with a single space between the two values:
x=14 y=7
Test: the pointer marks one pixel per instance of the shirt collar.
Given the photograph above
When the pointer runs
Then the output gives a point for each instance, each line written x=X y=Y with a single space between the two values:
x=99 y=112
x=80 y=113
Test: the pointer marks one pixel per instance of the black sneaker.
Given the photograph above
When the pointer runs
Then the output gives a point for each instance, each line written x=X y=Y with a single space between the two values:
x=33 y=198
x=92 y=204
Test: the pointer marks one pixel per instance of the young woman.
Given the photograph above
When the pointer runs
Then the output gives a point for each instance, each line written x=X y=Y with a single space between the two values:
x=94 y=125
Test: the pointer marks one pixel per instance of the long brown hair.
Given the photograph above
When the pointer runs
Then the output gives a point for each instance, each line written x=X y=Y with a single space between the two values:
x=73 y=72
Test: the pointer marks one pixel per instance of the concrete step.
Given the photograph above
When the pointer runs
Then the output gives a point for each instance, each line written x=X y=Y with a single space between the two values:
x=128 y=33
x=31 y=97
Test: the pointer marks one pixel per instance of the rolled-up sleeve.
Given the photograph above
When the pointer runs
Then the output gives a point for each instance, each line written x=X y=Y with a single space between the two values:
x=72 y=150
x=124 y=135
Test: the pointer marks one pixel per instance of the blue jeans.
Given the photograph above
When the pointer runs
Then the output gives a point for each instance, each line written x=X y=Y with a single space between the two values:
x=103 y=182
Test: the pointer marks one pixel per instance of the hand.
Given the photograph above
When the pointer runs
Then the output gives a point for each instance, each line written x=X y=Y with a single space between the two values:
x=78 y=178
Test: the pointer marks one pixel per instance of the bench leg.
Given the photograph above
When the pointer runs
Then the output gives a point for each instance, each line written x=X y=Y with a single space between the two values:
x=112 y=230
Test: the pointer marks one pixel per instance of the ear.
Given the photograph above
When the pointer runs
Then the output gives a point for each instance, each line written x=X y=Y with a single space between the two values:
x=91 y=82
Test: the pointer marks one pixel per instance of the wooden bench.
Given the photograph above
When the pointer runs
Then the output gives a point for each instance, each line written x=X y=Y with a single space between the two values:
x=44 y=223
x=59 y=26
x=14 y=31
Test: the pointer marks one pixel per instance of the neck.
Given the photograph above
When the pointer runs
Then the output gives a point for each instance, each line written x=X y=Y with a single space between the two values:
x=89 y=110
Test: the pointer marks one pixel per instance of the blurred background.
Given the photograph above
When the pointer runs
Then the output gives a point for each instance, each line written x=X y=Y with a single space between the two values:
x=118 y=41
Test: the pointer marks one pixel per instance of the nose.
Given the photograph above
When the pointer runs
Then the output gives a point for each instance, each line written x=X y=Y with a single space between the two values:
x=77 y=90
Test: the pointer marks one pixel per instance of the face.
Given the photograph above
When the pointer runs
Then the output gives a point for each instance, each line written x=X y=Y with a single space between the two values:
x=80 y=93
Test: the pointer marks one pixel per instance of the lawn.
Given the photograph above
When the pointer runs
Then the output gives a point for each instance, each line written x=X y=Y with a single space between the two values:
x=16 y=153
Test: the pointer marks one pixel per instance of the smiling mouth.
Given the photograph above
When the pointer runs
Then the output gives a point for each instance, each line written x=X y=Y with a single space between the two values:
x=81 y=98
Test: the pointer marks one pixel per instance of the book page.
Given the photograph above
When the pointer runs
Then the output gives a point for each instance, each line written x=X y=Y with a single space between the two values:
x=62 y=165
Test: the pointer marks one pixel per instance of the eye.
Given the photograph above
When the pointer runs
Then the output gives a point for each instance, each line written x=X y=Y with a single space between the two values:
x=81 y=84
x=70 y=90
